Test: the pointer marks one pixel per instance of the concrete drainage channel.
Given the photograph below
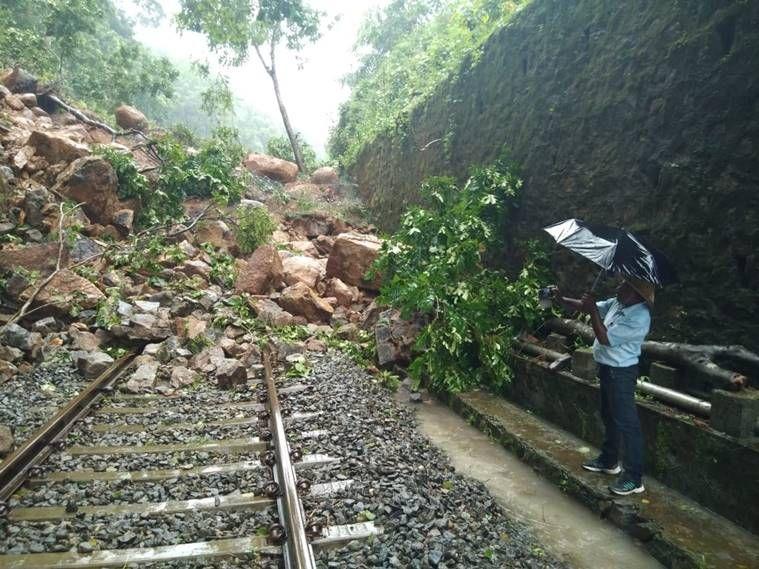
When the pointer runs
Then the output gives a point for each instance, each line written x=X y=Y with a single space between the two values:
x=112 y=466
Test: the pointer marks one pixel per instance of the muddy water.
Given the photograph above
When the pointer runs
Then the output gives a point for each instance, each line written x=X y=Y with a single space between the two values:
x=568 y=530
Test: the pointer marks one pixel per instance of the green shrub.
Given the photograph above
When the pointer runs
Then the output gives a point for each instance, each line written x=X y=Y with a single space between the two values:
x=435 y=265
x=254 y=228
x=223 y=268
x=156 y=205
x=211 y=172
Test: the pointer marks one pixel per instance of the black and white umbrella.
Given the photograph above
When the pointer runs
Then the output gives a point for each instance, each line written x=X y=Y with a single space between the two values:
x=615 y=250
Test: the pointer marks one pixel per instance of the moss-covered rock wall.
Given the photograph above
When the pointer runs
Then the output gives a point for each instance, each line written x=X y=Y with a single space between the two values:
x=642 y=113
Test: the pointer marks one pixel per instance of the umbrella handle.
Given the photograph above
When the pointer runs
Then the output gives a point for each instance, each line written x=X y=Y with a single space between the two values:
x=598 y=279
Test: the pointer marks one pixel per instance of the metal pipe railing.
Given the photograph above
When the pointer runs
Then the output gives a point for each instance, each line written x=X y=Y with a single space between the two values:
x=298 y=552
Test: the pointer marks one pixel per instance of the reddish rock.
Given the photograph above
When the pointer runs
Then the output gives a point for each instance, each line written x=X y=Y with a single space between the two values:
x=305 y=248
x=91 y=181
x=351 y=257
x=271 y=167
x=301 y=300
x=181 y=376
x=313 y=224
x=324 y=244
x=29 y=99
x=218 y=234
x=262 y=273
x=14 y=102
x=33 y=257
x=65 y=289
x=346 y=295
x=130 y=118
x=190 y=327
x=230 y=373
x=123 y=220
x=325 y=175
x=271 y=313
x=56 y=147
x=18 y=80
x=395 y=338
x=302 y=269
x=195 y=267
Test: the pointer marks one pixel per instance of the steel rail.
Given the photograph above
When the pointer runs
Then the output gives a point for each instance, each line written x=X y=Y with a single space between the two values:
x=15 y=468
x=298 y=553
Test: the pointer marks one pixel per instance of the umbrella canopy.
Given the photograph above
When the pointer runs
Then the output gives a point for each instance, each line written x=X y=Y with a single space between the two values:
x=615 y=250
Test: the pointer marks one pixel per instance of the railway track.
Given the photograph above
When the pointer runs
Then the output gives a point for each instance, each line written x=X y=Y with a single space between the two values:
x=206 y=479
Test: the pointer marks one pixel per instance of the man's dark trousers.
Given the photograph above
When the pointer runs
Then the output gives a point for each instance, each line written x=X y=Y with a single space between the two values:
x=620 y=417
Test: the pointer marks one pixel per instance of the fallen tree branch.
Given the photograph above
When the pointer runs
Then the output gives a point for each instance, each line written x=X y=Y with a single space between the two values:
x=92 y=122
x=699 y=358
x=25 y=307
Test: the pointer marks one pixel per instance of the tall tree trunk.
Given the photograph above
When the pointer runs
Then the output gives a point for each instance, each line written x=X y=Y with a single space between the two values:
x=286 y=120
x=271 y=69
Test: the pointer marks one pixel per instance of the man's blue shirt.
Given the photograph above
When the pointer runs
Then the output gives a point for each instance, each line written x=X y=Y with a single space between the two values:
x=627 y=327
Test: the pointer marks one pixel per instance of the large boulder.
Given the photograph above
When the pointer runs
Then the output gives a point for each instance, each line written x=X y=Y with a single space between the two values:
x=302 y=269
x=262 y=272
x=130 y=118
x=40 y=258
x=395 y=338
x=91 y=364
x=144 y=376
x=218 y=234
x=301 y=300
x=230 y=373
x=325 y=175
x=351 y=257
x=271 y=167
x=55 y=147
x=91 y=181
x=271 y=313
x=19 y=81
x=65 y=289
x=313 y=224
x=345 y=294
x=17 y=337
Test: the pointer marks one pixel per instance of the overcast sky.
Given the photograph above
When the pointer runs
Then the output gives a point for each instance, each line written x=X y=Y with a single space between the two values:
x=312 y=94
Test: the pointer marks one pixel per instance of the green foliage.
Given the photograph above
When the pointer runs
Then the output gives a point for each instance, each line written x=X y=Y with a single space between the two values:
x=223 y=269
x=299 y=368
x=361 y=351
x=280 y=147
x=211 y=172
x=140 y=256
x=414 y=46
x=233 y=27
x=155 y=205
x=107 y=310
x=389 y=380
x=435 y=265
x=86 y=48
x=199 y=343
x=254 y=228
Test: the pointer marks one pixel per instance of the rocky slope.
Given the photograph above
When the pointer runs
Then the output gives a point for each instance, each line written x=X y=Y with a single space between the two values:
x=82 y=285
x=642 y=115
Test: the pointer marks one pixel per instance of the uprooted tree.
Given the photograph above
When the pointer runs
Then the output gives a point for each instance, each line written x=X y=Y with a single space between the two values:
x=233 y=27
x=705 y=359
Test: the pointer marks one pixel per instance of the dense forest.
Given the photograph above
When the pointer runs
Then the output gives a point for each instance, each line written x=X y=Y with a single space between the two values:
x=86 y=51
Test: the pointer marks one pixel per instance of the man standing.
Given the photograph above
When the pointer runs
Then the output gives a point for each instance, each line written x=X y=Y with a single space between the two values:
x=620 y=325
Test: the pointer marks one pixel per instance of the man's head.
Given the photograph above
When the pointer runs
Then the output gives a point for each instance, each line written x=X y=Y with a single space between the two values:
x=633 y=291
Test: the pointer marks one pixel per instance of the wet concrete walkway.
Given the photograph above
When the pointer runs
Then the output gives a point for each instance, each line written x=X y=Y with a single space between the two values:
x=568 y=530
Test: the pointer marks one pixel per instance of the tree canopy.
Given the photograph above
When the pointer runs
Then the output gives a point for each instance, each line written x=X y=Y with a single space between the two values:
x=412 y=47
x=85 y=48
x=233 y=27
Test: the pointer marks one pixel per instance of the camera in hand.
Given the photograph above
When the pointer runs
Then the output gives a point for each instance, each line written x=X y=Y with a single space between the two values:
x=546 y=295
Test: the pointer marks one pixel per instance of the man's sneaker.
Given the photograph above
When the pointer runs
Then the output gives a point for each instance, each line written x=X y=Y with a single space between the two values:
x=625 y=486
x=596 y=465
